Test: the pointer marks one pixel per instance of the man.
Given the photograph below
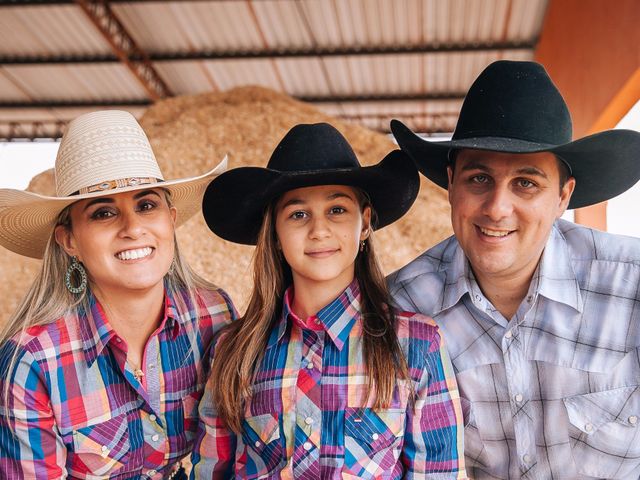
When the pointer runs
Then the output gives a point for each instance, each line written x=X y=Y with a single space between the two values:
x=541 y=316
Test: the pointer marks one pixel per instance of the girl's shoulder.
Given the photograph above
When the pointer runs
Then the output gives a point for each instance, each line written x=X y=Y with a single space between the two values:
x=412 y=325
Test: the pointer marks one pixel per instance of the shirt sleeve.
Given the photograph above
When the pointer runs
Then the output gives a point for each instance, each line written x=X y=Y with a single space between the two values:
x=433 y=445
x=30 y=445
x=213 y=455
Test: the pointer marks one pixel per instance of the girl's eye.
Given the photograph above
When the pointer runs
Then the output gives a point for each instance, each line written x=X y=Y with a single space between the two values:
x=337 y=210
x=102 y=213
x=298 y=215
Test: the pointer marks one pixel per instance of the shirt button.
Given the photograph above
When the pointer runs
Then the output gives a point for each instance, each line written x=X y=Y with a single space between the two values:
x=308 y=421
x=375 y=436
x=151 y=473
x=633 y=420
x=529 y=298
x=588 y=427
x=104 y=448
x=155 y=438
x=526 y=458
x=257 y=444
x=508 y=335
x=317 y=322
x=518 y=397
x=310 y=365
x=152 y=417
x=118 y=339
x=307 y=446
x=153 y=365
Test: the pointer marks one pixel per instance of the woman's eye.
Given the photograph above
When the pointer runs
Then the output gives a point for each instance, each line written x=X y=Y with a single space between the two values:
x=146 y=205
x=101 y=214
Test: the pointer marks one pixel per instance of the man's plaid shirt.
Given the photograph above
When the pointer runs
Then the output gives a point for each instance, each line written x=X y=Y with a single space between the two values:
x=554 y=391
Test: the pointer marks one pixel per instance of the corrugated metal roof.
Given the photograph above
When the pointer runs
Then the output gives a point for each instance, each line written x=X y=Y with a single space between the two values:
x=364 y=60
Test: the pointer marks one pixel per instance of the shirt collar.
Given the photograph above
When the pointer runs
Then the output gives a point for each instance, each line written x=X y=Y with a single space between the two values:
x=337 y=318
x=554 y=278
x=96 y=331
x=457 y=276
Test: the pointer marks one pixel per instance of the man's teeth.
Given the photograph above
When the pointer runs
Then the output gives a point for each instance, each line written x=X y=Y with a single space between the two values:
x=135 y=254
x=495 y=233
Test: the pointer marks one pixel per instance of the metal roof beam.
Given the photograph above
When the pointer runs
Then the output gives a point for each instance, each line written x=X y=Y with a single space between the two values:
x=308 y=99
x=125 y=47
x=7 y=60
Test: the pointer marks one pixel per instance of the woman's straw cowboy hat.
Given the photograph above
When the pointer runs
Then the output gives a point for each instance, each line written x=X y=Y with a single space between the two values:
x=101 y=153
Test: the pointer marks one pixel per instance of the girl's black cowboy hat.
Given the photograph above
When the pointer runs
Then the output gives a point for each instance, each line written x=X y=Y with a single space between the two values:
x=234 y=204
x=514 y=107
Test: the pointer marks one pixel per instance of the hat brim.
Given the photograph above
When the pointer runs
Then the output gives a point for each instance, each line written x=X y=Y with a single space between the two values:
x=235 y=202
x=27 y=219
x=604 y=164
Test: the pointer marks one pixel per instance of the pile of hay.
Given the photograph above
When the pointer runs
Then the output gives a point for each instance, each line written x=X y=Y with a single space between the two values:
x=190 y=134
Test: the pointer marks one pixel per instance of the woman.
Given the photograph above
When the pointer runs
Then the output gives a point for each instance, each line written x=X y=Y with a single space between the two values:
x=325 y=379
x=109 y=350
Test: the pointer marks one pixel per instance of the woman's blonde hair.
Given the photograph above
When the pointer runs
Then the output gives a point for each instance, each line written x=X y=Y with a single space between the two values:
x=239 y=353
x=48 y=299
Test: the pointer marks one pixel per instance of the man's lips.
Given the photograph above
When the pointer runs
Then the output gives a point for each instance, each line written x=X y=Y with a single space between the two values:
x=494 y=232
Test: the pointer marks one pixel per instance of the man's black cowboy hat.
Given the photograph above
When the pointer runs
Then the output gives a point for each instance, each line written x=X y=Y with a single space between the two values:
x=515 y=107
x=308 y=155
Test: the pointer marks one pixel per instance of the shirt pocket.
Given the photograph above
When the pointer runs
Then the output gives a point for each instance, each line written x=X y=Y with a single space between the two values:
x=373 y=440
x=264 y=445
x=604 y=437
x=103 y=448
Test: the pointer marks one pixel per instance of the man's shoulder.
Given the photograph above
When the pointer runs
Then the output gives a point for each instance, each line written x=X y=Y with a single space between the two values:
x=587 y=244
x=433 y=261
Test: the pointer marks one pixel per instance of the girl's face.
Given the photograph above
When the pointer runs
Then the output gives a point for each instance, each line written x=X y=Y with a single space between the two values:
x=319 y=230
x=125 y=241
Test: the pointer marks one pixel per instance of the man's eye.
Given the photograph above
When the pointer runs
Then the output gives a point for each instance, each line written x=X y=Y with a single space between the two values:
x=479 y=179
x=524 y=183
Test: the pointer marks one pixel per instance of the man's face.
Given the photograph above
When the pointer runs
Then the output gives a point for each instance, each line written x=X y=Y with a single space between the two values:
x=503 y=206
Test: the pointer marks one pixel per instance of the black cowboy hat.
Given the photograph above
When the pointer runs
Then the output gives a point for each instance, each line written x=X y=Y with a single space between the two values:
x=308 y=155
x=514 y=107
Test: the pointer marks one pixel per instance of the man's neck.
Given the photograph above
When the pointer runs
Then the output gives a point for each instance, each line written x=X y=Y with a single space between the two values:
x=505 y=293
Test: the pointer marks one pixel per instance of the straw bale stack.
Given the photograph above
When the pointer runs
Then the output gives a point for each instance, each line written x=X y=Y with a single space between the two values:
x=190 y=134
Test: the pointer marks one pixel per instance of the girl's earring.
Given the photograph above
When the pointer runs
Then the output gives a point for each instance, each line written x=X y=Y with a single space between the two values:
x=77 y=266
x=362 y=244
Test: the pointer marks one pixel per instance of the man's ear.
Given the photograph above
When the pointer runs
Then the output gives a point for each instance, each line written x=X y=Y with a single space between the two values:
x=450 y=180
x=64 y=238
x=565 y=196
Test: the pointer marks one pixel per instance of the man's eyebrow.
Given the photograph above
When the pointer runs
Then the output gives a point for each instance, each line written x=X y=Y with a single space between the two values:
x=475 y=165
x=532 y=171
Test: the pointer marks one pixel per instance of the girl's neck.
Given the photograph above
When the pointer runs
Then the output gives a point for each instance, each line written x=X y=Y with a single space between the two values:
x=312 y=296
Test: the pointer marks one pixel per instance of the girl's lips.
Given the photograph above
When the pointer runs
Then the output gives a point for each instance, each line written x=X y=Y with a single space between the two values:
x=321 y=253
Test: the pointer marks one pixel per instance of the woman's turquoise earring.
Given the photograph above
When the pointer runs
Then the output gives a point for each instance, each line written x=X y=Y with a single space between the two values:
x=77 y=266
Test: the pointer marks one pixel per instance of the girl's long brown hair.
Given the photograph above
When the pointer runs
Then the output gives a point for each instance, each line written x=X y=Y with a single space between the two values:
x=240 y=350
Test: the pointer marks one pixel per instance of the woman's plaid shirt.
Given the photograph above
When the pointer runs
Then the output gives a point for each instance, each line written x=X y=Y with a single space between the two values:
x=76 y=408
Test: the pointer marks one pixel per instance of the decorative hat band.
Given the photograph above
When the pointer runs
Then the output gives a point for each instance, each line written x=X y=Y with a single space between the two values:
x=119 y=183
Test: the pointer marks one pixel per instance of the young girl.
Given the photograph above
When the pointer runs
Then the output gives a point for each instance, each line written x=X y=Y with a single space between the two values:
x=105 y=359
x=322 y=378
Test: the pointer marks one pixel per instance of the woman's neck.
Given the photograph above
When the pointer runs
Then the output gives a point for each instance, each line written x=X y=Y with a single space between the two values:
x=133 y=315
